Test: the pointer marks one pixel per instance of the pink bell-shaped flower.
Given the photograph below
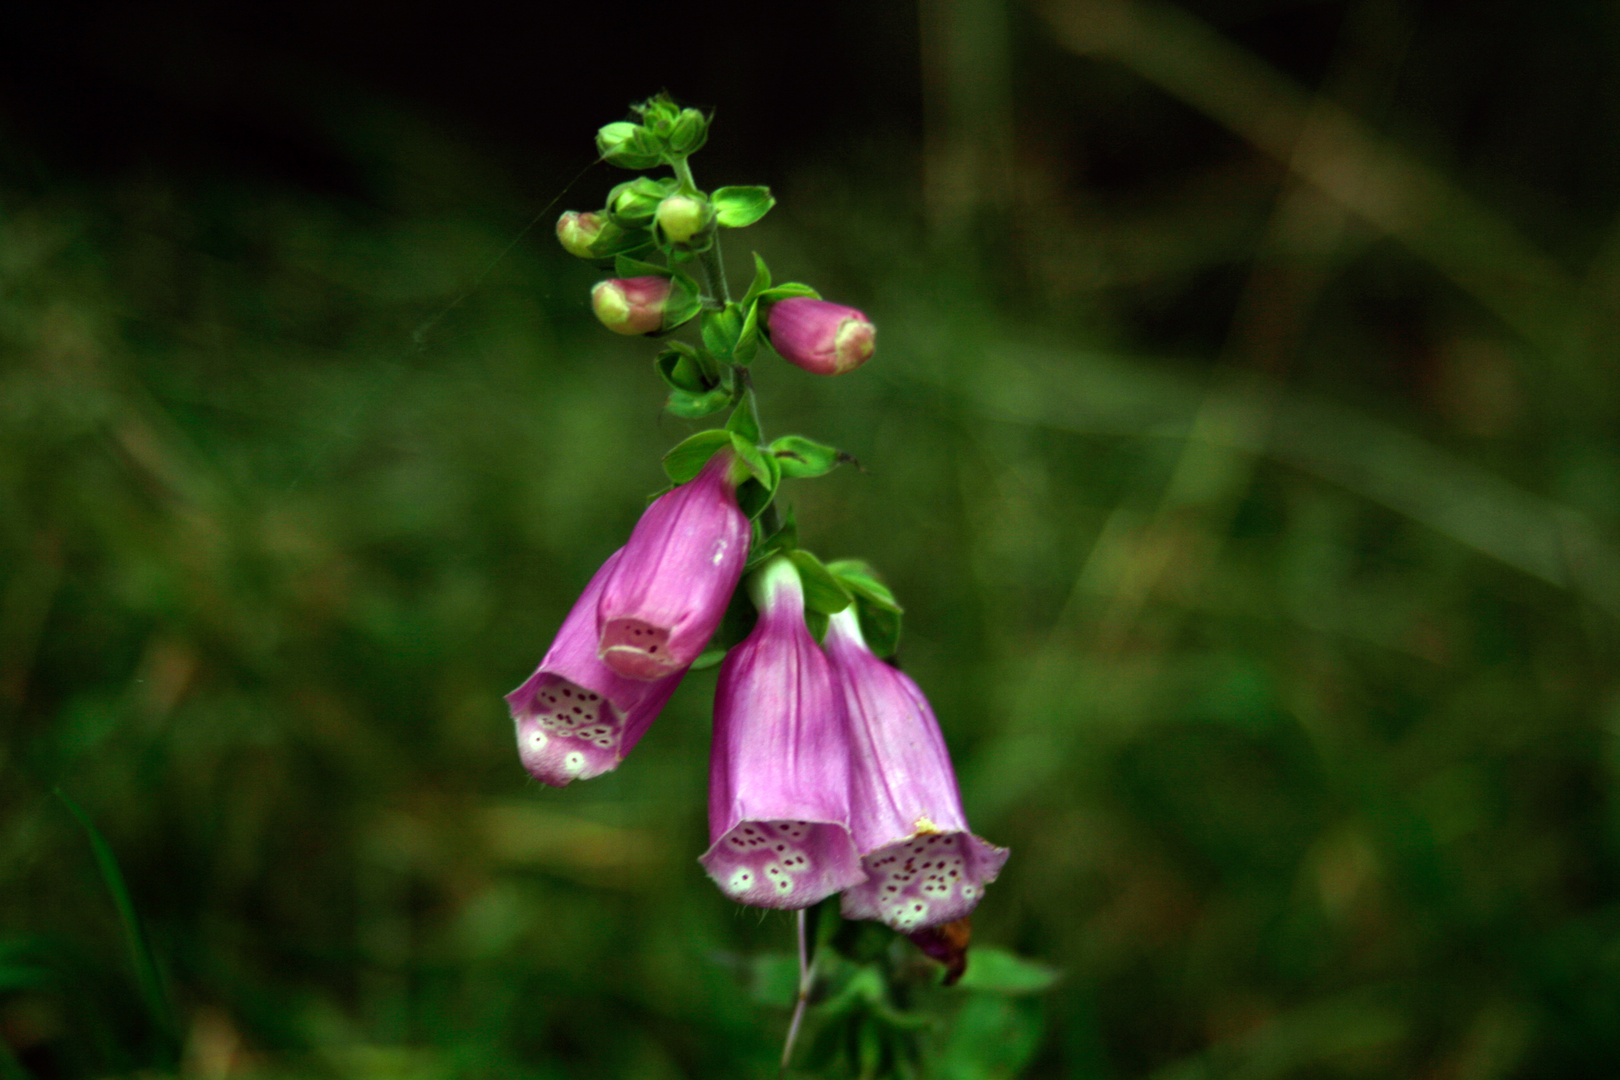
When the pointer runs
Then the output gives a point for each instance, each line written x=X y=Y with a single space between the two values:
x=679 y=568
x=576 y=717
x=779 y=765
x=923 y=866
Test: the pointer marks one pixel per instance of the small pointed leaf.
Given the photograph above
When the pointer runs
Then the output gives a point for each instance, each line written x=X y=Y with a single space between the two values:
x=803 y=457
x=735 y=207
x=822 y=591
x=688 y=457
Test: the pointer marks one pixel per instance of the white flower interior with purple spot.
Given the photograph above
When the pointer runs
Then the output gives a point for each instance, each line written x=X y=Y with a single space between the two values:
x=575 y=716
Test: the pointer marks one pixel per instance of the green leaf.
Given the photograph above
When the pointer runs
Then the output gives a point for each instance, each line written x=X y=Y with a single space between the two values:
x=735 y=207
x=761 y=282
x=680 y=367
x=748 y=336
x=629 y=146
x=743 y=420
x=721 y=330
x=146 y=969
x=760 y=465
x=859 y=577
x=785 y=538
x=823 y=593
x=875 y=605
x=1000 y=972
x=708 y=658
x=688 y=457
x=695 y=406
x=627 y=266
x=802 y=457
x=785 y=290
x=685 y=301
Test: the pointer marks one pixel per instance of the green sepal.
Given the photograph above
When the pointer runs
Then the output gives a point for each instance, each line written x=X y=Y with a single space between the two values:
x=803 y=458
x=785 y=290
x=685 y=300
x=682 y=368
x=823 y=592
x=628 y=266
x=689 y=456
x=735 y=207
x=695 y=406
x=688 y=133
x=633 y=203
x=997 y=971
x=784 y=539
x=748 y=338
x=621 y=240
x=629 y=146
x=743 y=422
x=722 y=329
x=761 y=466
x=755 y=493
x=874 y=605
x=761 y=282
x=708 y=658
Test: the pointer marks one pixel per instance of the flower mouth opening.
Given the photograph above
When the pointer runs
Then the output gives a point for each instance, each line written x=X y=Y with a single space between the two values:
x=637 y=650
x=923 y=881
x=783 y=864
x=566 y=732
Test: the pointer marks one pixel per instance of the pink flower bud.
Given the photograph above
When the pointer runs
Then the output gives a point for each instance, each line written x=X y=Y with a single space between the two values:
x=577 y=232
x=923 y=866
x=681 y=564
x=631 y=305
x=576 y=717
x=821 y=337
x=779 y=764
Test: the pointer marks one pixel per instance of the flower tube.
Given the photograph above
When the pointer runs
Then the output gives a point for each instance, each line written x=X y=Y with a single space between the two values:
x=924 y=868
x=668 y=593
x=779 y=765
x=576 y=717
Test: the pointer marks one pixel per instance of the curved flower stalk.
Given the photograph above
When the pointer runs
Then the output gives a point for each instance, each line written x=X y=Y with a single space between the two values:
x=779 y=767
x=667 y=594
x=923 y=866
x=575 y=716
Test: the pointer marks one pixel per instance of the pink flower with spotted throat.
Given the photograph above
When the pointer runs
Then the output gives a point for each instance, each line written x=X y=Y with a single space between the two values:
x=779 y=765
x=923 y=866
x=575 y=716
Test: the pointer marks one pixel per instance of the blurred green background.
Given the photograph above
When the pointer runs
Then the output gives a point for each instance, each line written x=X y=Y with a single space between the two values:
x=1242 y=442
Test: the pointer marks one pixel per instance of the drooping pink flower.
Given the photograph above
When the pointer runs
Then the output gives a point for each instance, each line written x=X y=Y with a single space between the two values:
x=575 y=716
x=821 y=337
x=779 y=765
x=923 y=866
x=680 y=566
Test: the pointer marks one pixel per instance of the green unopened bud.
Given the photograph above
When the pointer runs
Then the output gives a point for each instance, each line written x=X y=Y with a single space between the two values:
x=634 y=202
x=629 y=146
x=578 y=233
x=689 y=132
x=683 y=217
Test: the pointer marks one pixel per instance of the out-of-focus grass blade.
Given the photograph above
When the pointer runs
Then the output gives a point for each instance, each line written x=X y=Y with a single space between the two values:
x=146 y=969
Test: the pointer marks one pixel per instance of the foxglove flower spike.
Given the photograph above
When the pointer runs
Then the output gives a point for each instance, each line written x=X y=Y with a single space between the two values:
x=779 y=765
x=923 y=866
